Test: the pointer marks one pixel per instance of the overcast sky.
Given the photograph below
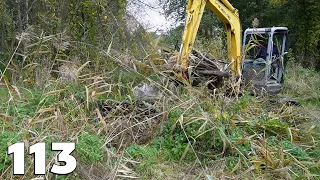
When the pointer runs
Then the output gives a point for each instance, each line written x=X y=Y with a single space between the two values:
x=150 y=15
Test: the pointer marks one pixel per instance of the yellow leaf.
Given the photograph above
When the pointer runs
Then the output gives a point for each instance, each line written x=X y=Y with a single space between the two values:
x=42 y=120
x=16 y=90
x=45 y=110
x=7 y=122
x=244 y=139
x=82 y=67
x=225 y=115
x=4 y=115
x=257 y=163
x=216 y=116
x=316 y=165
x=5 y=78
x=101 y=93
x=55 y=92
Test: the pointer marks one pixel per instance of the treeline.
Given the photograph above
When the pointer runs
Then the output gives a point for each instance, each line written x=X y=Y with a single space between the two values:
x=84 y=20
x=104 y=22
x=36 y=35
x=302 y=17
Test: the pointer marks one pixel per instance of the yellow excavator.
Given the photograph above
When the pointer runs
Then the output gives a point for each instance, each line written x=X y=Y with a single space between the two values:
x=243 y=60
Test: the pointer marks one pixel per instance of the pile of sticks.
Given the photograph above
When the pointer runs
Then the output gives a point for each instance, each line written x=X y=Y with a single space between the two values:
x=206 y=70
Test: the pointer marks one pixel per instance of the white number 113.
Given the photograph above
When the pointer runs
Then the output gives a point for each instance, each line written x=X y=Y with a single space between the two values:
x=39 y=151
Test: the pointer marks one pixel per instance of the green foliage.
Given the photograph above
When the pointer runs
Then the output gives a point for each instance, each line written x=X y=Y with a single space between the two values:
x=231 y=162
x=175 y=145
x=213 y=46
x=173 y=138
x=278 y=2
x=149 y=156
x=89 y=148
x=295 y=150
x=143 y=152
x=235 y=135
x=176 y=138
x=174 y=9
x=7 y=138
x=173 y=36
x=243 y=103
x=131 y=78
x=274 y=125
x=34 y=100
x=63 y=178
x=56 y=32
x=4 y=94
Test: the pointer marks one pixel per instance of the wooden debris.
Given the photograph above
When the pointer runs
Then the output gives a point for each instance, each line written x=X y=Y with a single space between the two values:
x=205 y=69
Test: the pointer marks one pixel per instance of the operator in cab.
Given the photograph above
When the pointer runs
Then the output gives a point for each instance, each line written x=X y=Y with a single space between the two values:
x=261 y=56
x=262 y=52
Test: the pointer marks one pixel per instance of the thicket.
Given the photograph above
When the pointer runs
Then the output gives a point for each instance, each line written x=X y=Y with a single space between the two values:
x=39 y=37
x=60 y=58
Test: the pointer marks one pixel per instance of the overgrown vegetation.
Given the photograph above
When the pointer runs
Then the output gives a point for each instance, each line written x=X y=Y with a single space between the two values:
x=72 y=78
x=218 y=136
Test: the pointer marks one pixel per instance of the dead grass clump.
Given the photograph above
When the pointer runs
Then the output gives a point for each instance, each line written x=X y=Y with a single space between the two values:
x=68 y=72
x=301 y=83
x=129 y=122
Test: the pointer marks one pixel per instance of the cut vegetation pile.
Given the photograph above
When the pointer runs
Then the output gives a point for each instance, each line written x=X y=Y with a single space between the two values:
x=128 y=123
x=205 y=70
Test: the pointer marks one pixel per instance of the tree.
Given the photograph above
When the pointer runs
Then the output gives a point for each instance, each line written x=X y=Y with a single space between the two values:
x=83 y=24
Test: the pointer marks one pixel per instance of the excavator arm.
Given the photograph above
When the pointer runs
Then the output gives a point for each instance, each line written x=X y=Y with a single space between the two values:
x=228 y=15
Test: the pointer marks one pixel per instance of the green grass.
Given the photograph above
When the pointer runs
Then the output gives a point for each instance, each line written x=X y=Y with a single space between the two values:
x=31 y=107
x=263 y=121
x=197 y=138
x=149 y=157
x=7 y=138
x=89 y=148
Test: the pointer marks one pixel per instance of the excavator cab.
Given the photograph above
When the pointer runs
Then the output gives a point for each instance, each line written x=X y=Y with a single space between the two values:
x=264 y=50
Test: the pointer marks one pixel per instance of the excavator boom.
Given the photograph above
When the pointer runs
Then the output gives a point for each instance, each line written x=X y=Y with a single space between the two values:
x=228 y=15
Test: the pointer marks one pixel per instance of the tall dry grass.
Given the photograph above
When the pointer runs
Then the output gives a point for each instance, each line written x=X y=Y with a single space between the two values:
x=223 y=136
